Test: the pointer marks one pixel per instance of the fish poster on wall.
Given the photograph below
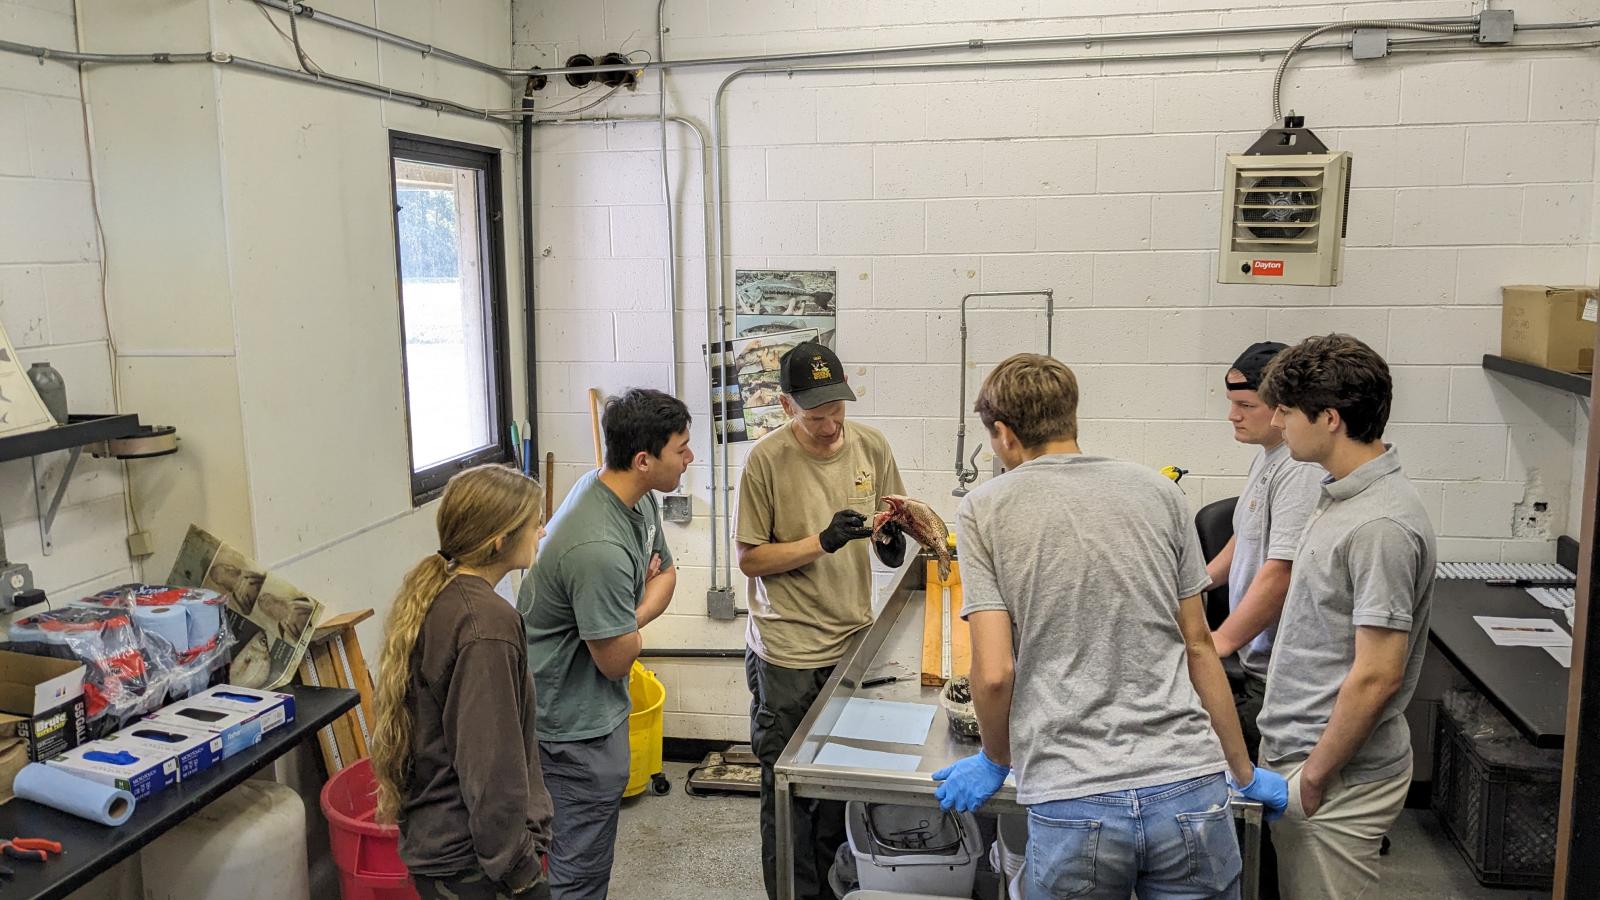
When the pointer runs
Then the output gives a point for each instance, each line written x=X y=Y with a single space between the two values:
x=774 y=302
x=774 y=310
x=745 y=384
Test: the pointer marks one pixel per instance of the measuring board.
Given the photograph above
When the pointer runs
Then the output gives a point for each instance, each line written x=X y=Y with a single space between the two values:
x=946 y=643
x=334 y=659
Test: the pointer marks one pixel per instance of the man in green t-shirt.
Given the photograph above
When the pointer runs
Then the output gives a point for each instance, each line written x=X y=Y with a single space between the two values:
x=807 y=493
x=604 y=572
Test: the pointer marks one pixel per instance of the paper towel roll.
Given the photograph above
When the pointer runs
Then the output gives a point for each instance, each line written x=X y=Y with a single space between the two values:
x=171 y=622
x=60 y=789
x=205 y=620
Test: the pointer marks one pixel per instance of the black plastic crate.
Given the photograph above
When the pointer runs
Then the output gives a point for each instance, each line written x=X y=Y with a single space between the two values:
x=1501 y=817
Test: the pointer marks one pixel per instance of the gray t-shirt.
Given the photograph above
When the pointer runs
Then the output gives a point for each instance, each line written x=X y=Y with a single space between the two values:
x=1367 y=558
x=1090 y=557
x=1277 y=501
x=586 y=586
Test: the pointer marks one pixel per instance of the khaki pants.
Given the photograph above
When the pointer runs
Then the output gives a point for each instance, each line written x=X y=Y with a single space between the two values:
x=1334 y=854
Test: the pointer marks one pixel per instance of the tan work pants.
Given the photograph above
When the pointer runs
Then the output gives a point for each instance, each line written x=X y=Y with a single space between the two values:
x=1334 y=854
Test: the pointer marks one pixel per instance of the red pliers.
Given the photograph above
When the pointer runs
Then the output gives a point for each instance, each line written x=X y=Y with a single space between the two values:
x=34 y=849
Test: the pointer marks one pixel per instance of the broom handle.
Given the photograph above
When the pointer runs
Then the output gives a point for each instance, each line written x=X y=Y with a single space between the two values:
x=594 y=423
x=549 y=484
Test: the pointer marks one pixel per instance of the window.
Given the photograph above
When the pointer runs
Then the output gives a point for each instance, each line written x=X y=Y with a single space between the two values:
x=451 y=256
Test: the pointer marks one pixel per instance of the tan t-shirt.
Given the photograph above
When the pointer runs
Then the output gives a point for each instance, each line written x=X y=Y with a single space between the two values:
x=801 y=619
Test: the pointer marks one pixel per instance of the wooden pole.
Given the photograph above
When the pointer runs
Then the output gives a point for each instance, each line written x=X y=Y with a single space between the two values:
x=1577 y=875
x=594 y=423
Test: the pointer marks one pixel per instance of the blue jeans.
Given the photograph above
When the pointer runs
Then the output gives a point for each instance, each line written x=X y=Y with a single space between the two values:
x=1169 y=842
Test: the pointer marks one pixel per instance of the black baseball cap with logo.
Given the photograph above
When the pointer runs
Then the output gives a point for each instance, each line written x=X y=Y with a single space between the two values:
x=813 y=375
x=1250 y=364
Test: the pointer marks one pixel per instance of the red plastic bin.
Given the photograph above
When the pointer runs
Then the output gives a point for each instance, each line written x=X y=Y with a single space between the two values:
x=367 y=853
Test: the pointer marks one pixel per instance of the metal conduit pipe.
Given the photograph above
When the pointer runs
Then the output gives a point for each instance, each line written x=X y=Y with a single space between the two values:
x=530 y=329
x=666 y=200
x=702 y=139
x=965 y=476
x=316 y=15
x=979 y=44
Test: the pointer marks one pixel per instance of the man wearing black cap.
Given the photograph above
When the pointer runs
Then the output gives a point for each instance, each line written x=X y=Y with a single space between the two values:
x=808 y=492
x=1279 y=496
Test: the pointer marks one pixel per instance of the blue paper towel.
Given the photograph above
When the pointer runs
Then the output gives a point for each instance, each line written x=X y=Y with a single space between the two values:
x=59 y=789
x=205 y=620
x=171 y=622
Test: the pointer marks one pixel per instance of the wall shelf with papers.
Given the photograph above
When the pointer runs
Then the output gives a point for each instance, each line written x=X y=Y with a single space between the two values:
x=1571 y=382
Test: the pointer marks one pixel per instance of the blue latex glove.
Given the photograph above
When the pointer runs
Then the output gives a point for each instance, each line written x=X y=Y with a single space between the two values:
x=969 y=783
x=1267 y=788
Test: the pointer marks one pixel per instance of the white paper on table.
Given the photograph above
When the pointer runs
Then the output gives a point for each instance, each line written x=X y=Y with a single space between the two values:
x=887 y=721
x=1563 y=655
x=845 y=756
x=1553 y=598
x=1511 y=632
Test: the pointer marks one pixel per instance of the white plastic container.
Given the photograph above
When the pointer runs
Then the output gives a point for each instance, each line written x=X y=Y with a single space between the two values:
x=945 y=868
x=1009 y=851
x=249 y=844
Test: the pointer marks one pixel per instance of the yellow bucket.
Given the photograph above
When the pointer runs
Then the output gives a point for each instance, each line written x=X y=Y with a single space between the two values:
x=645 y=729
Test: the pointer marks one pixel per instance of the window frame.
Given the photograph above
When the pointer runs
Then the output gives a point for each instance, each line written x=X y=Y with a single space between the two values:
x=428 y=483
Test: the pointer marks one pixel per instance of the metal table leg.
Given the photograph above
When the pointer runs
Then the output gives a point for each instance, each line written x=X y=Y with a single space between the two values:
x=1249 y=816
x=783 y=812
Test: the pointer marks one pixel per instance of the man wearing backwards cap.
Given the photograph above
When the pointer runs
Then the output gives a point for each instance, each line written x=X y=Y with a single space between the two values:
x=1279 y=497
x=805 y=498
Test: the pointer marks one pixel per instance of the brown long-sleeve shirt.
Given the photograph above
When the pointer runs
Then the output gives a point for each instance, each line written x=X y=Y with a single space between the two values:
x=475 y=800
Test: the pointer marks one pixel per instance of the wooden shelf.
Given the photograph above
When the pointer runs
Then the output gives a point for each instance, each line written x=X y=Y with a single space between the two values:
x=1571 y=382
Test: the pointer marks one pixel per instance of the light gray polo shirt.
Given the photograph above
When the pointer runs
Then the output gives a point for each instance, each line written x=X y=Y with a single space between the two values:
x=1090 y=557
x=1367 y=558
x=1277 y=501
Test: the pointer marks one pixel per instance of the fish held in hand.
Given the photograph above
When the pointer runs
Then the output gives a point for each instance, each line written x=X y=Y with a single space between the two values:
x=921 y=523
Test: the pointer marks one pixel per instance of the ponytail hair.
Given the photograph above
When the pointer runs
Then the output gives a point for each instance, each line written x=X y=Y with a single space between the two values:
x=480 y=506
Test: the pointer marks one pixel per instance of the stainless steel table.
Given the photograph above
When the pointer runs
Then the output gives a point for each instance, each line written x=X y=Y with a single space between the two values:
x=893 y=645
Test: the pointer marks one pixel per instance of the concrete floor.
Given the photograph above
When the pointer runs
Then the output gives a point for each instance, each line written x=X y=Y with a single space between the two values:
x=681 y=848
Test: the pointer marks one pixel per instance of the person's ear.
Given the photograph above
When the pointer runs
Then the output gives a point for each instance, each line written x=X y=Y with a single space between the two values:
x=1335 y=421
x=641 y=461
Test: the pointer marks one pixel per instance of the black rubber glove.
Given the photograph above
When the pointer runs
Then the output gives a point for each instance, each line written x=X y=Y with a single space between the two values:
x=890 y=544
x=847 y=525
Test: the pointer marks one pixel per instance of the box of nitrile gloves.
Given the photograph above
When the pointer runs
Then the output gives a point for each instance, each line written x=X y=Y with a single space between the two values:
x=195 y=749
x=271 y=707
x=238 y=730
x=137 y=770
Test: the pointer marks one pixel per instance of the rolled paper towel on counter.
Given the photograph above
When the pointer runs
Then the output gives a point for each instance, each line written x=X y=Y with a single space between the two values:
x=59 y=789
x=205 y=620
x=171 y=622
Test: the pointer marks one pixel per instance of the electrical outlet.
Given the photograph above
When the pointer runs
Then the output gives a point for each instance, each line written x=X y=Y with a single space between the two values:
x=677 y=508
x=139 y=545
x=15 y=578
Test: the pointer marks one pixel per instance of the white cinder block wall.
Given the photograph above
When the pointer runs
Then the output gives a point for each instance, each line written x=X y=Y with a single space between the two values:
x=50 y=302
x=1101 y=181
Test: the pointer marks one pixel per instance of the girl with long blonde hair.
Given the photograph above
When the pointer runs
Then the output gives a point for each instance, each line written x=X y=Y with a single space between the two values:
x=454 y=748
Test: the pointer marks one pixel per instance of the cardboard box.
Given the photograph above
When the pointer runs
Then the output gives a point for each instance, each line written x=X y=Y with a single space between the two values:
x=41 y=702
x=195 y=749
x=238 y=730
x=271 y=707
x=1550 y=326
x=138 y=771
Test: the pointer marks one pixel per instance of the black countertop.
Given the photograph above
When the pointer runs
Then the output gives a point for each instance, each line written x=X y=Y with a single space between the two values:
x=90 y=848
x=1524 y=683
